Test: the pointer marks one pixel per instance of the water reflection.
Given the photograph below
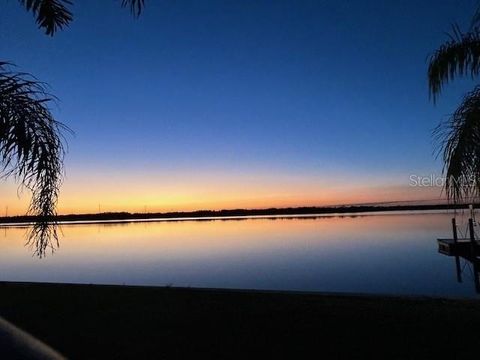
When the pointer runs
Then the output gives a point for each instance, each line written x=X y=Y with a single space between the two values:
x=470 y=268
x=384 y=253
x=465 y=249
x=41 y=237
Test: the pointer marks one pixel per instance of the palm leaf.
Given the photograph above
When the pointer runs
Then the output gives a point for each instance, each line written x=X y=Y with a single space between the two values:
x=31 y=148
x=475 y=22
x=457 y=57
x=136 y=6
x=459 y=139
x=50 y=15
x=54 y=15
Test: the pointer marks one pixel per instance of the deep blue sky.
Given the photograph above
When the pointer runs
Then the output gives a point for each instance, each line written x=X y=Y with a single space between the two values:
x=275 y=94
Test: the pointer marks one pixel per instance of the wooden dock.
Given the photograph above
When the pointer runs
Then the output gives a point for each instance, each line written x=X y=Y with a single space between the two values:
x=459 y=247
x=463 y=248
x=468 y=248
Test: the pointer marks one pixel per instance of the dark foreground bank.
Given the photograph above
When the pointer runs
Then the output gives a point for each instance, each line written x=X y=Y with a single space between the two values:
x=88 y=321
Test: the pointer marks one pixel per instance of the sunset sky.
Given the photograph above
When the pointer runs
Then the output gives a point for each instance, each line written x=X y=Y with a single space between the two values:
x=246 y=103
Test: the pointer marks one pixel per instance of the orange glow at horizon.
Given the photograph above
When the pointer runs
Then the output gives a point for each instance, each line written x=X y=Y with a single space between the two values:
x=93 y=193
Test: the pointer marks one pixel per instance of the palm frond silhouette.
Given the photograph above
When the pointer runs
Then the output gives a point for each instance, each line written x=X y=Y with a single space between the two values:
x=136 y=6
x=459 y=56
x=50 y=15
x=54 y=15
x=458 y=137
x=31 y=148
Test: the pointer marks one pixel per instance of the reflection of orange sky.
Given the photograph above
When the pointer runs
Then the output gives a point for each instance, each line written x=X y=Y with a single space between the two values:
x=186 y=238
x=114 y=192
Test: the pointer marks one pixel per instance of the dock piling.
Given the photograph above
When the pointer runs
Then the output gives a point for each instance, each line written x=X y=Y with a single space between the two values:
x=472 y=236
x=454 y=228
x=457 y=258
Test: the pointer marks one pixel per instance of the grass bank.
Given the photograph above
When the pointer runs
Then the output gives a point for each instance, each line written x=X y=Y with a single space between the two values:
x=91 y=321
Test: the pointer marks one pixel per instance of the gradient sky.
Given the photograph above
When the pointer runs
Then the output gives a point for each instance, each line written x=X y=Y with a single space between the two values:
x=239 y=103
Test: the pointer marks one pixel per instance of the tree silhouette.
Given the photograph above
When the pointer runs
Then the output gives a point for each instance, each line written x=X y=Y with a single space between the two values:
x=459 y=136
x=31 y=140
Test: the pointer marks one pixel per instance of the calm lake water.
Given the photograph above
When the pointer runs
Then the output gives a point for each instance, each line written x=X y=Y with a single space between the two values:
x=382 y=253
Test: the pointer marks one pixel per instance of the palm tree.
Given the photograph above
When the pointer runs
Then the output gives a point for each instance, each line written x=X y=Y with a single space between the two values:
x=459 y=136
x=31 y=140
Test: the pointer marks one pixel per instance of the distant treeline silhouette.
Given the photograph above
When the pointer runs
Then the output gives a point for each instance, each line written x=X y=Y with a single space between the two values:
x=313 y=210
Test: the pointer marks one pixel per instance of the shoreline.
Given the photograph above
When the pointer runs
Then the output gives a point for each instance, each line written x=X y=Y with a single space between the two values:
x=260 y=292
x=205 y=215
